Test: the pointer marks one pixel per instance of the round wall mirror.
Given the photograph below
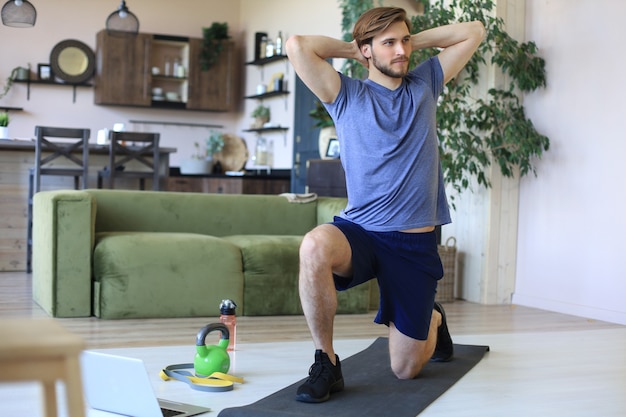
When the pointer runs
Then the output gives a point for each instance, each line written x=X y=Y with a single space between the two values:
x=72 y=61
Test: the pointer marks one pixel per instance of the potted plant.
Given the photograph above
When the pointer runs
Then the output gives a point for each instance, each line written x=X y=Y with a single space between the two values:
x=197 y=164
x=214 y=144
x=321 y=116
x=17 y=73
x=261 y=116
x=213 y=39
x=201 y=161
x=4 y=125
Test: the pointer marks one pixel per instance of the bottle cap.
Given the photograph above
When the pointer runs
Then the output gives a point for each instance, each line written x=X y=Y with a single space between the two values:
x=228 y=307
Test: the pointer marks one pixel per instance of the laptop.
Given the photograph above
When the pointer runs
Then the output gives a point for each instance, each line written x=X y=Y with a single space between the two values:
x=120 y=385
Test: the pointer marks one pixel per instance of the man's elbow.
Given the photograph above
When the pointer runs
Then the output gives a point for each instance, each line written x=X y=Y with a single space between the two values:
x=293 y=45
x=479 y=30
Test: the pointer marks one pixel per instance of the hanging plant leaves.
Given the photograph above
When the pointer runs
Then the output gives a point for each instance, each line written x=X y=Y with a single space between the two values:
x=212 y=44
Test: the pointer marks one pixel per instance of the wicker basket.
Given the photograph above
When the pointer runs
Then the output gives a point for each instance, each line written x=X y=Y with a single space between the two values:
x=446 y=285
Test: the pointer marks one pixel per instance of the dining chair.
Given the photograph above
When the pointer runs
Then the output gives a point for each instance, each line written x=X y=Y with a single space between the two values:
x=132 y=155
x=59 y=151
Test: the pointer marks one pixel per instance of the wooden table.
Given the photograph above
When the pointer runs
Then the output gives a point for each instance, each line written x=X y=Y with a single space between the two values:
x=42 y=350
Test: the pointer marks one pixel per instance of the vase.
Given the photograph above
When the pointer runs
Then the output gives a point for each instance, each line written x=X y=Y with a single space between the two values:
x=4 y=132
x=196 y=166
x=326 y=134
x=259 y=122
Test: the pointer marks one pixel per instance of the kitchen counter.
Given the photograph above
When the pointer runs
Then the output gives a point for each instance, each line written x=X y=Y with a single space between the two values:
x=29 y=145
x=249 y=182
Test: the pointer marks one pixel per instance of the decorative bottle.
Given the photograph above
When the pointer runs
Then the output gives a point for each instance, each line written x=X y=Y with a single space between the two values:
x=260 y=156
x=269 y=49
x=229 y=319
x=263 y=48
x=279 y=43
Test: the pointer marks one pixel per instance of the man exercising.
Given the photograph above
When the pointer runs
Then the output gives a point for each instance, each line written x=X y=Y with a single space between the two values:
x=386 y=127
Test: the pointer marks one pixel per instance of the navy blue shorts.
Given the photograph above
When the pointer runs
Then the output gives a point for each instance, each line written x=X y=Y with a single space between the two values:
x=407 y=266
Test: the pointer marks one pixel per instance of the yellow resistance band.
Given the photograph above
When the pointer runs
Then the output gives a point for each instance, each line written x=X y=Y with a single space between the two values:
x=216 y=382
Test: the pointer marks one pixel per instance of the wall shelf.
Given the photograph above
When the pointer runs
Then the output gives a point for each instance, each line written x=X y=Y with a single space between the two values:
x=265 y=61
x=267 y=129
x=51 y=82
x=268 y=95
x=153 y=122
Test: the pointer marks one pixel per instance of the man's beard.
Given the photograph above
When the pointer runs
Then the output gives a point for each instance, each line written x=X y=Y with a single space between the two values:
x=388 y=71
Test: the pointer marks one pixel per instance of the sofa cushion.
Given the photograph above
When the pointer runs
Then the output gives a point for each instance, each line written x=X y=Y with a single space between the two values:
x=144 y=274
x=207 y=214
x=271 y=268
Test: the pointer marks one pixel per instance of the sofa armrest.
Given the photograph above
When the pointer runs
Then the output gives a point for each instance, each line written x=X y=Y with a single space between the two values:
x=328 y=207
x=63 y=238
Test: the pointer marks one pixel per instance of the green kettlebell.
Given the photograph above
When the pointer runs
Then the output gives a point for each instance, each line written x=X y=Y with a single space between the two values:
x=212 y=358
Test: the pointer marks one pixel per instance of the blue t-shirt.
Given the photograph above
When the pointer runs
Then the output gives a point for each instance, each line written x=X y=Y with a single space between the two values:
x=389 y=150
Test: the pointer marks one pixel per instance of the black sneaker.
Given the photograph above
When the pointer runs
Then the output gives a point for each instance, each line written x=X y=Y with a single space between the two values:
x=324 y=379
x=444 y=348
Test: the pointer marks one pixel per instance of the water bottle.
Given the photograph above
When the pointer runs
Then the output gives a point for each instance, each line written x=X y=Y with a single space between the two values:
x=229 y=319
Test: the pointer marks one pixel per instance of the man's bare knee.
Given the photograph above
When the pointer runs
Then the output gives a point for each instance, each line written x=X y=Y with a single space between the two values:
x=408 y=369
x=408 y=356
x=325 y=248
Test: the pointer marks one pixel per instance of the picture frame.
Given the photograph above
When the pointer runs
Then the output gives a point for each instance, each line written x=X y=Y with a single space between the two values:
x=44 y=72
x=332 y=150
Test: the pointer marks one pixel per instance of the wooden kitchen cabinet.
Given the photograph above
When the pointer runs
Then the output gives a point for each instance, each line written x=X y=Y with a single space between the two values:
x=228 y=185
x=122 y=69
x=214 y=89
x=130 y=66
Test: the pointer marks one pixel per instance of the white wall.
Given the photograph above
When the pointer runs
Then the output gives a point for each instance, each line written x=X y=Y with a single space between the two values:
x=572 y=225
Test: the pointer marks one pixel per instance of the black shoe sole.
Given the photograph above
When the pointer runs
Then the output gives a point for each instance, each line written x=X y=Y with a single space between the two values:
x=443 y=329
x=306 y=398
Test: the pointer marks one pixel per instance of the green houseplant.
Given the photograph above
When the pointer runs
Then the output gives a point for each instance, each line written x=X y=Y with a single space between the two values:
x=214 y=143
x=476 y=132
x=321 y=116
x=22 y=71
x=261 y=115
x=201 y=160
x=213 y=39
x=4 y=125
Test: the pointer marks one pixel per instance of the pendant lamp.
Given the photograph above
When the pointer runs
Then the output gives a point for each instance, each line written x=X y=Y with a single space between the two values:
x=123 y=20
x=19 y=14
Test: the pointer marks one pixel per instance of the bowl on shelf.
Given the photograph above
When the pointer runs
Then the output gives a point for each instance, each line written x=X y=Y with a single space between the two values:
x=172 y=96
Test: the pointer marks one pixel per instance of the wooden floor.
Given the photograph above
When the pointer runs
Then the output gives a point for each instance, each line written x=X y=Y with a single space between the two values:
x=540 y=363
x=463 y=318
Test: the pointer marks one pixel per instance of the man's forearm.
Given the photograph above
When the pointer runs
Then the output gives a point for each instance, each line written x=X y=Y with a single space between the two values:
x=446 y=36
x=458 y=41
x=323 y=46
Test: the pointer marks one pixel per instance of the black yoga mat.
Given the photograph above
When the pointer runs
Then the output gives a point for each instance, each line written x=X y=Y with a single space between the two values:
x=371 y=389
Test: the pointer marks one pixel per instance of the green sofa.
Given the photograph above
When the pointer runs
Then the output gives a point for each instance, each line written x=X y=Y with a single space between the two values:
x=140 y=254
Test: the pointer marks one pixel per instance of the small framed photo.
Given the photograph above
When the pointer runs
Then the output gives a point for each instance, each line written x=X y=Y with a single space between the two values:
x=44 y=72
x=332 y=151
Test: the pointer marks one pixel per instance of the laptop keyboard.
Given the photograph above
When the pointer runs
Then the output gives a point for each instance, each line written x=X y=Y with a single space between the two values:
x=169 y=413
